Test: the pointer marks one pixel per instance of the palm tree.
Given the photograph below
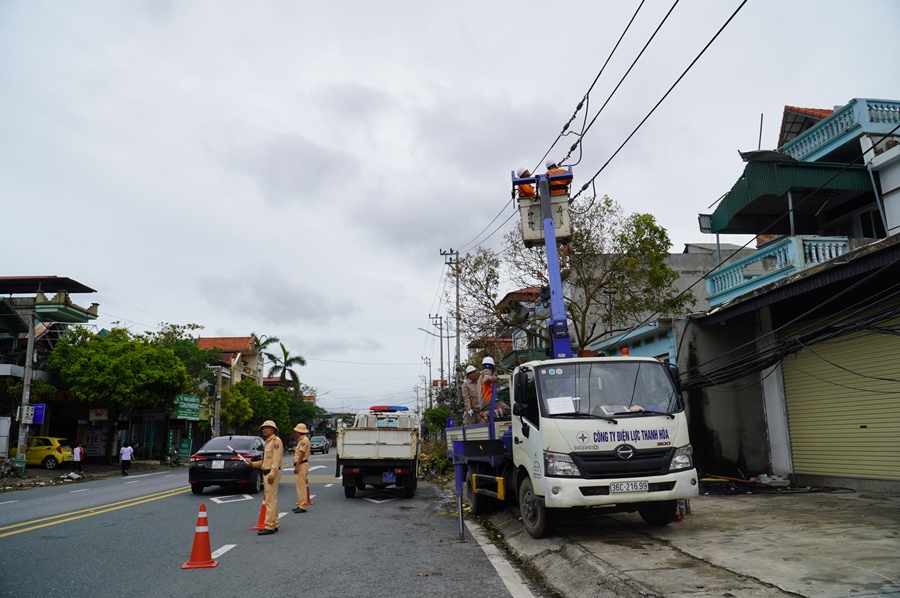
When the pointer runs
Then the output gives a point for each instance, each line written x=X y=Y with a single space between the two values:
x=284 y=367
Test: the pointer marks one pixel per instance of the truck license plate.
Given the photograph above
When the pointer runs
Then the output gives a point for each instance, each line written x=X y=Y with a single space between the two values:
x=389 y=477
x=218 y=464
x=628 y=487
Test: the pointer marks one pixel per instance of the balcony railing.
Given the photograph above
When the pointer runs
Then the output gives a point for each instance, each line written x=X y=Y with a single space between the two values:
x=859 y=117
x=770 y=263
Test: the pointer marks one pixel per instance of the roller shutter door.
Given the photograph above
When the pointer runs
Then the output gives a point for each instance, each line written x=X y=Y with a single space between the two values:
x=842 y=420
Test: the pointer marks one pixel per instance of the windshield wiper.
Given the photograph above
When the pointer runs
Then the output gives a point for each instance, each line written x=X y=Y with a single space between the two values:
x=580 y=415
x=648 y=412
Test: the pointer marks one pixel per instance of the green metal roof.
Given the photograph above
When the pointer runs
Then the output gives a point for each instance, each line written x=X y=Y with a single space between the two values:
x=10 y=320
x=758 y=200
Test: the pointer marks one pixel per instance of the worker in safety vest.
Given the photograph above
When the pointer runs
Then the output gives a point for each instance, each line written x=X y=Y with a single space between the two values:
x=271 y=470
x=301 y=466
x=525 y=189
x=557 y=187
x=487 y=380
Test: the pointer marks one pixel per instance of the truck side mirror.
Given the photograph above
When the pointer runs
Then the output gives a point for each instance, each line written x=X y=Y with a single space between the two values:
x=520 y=384
x=675 y=376
x=518 y=409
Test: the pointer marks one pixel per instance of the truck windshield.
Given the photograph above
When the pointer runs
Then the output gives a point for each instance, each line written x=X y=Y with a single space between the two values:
x=605 y=389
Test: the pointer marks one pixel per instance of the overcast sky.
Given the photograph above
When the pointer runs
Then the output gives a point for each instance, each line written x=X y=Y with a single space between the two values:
x=295 y=168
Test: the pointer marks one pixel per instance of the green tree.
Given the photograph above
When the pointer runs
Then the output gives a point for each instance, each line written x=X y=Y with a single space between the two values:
x=613 y=270
x=435 y=418
x=305 y=411
x=284 y=368
x=177 y=337
x=117 y=370
x=236 y=410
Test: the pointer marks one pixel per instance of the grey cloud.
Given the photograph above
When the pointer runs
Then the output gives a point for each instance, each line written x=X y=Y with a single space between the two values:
x=290 y=169
x=270 y=299
x=350 y=101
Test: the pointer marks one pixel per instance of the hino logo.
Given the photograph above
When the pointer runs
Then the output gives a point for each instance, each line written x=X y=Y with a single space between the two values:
x=624 y=452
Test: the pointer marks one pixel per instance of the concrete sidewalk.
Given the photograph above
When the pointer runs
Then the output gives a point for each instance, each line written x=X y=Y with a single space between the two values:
x=787 y=543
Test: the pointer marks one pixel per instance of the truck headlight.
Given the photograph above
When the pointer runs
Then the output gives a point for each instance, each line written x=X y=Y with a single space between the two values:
x=683 y=458
x=559 y=464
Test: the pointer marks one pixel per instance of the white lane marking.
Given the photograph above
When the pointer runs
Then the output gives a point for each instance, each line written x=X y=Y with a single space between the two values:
x=230 y=498
x=222 y=550
x=133 y=482
x=280 y=515
x=316 y=467
x=380 y=498
x=144 y=475
x=82 y=490
x=329 y=485
x=168 y=475
x=8 y=502
x=516 y=586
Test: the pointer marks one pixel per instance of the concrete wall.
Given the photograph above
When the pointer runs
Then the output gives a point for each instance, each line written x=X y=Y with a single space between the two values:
x=727 y=422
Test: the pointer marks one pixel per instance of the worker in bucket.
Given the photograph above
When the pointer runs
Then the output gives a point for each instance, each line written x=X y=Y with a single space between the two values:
x=557 y=187
x=487 y=380
x=525 y=189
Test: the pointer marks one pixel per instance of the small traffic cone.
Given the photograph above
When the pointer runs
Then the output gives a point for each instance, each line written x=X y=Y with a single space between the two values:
x=262 y=517
x=201 y=556
x=308 y=499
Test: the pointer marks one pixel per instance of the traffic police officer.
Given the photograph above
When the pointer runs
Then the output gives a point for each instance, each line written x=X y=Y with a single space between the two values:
x=301 y=466
x=271 y=470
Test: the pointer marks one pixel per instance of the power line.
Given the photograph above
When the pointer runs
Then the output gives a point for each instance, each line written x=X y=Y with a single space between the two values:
x=652 y=110
x=587 y=94
x=577 y=144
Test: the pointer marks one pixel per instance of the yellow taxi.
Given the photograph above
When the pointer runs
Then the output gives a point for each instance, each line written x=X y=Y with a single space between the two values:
x=48 y=451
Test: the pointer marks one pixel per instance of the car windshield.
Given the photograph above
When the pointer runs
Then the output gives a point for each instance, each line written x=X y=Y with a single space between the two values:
x=317 y=439
x=605 y=388
x=221 y=443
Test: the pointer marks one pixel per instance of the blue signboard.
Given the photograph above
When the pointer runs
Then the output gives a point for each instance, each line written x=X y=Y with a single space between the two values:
x=38 y=413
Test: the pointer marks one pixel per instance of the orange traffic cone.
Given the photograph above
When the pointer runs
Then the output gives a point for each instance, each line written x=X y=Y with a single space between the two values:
x=201 y=557
x=308 y=499
x=262 y=517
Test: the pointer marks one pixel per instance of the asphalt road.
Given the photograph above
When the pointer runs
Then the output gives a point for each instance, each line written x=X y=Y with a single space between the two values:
x=130 y=536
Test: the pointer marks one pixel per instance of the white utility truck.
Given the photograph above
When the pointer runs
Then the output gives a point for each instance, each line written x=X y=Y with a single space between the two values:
x=607 y=433
x=380 y=450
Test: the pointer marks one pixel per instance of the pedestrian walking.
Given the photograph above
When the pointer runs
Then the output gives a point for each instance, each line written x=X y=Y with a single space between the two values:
x=125 y=454
x=301 y=466
x=271 y=470
x=77 y=457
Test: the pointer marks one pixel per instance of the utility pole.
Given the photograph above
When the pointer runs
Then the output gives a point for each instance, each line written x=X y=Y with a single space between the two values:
x=427 y=361
x=452 y=259
x=440 y=326
x=26 y=416
x=609 y=305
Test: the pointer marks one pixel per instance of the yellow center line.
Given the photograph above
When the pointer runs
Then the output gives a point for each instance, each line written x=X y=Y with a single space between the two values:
x=74 y=515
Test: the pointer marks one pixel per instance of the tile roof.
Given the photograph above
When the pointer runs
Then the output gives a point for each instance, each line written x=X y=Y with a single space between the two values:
x=226 y=343
x=526 y=294
x=796 y=120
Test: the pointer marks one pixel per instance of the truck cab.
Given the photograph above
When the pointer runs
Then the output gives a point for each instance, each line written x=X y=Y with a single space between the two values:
x=606 y=432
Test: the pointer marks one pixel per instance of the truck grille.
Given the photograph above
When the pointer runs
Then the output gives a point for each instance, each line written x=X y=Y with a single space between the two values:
x=602 y=465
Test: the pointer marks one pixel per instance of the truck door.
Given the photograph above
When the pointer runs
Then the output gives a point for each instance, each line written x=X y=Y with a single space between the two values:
x=527 y=449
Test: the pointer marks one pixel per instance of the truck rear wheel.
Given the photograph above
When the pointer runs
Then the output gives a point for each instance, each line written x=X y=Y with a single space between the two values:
x=349 y=491
x=658 y=513
x=410 y=490
x=535 y=517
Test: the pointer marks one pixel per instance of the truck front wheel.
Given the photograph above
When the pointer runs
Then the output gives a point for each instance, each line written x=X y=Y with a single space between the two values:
x=535 y=517
x=658 y=513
